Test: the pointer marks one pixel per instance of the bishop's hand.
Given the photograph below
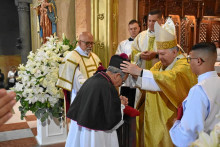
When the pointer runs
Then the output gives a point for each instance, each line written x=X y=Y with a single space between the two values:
x=132 y=69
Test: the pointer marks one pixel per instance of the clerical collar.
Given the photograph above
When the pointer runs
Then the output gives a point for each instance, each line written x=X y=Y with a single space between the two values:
x=81 y=52
x=130 y=39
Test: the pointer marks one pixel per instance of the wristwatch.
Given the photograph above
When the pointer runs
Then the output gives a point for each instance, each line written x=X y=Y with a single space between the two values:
x=141 y=74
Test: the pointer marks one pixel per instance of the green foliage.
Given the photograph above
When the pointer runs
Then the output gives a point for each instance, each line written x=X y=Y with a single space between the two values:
x=41 y=110
x=67 y=42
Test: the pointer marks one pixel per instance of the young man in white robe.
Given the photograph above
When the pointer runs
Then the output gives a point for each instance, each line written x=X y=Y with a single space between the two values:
x=125 y=47
x=202 y=103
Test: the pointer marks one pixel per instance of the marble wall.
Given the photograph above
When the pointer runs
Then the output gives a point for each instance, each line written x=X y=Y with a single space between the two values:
x=66 y=18
x=83 y=16
x=127 y=12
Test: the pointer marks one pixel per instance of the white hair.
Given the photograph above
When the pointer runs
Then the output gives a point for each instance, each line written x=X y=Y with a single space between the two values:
x=116 y=70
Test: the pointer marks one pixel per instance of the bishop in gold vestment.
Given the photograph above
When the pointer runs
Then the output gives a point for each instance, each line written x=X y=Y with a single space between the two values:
x=167 y=84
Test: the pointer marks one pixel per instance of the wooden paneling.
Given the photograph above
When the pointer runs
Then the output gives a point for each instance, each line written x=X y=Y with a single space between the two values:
x=195 y=20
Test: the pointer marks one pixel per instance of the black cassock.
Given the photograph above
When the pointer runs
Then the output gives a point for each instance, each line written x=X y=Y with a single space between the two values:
x=97 y=105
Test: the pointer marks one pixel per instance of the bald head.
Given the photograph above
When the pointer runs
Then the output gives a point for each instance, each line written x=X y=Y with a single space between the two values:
x=86 y=41
x=85 y=35
x=203 y=57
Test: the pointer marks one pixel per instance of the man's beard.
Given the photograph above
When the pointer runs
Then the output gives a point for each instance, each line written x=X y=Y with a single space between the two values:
x=88 y=50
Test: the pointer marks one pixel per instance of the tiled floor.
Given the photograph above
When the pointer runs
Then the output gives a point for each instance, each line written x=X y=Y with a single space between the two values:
x=21 y=133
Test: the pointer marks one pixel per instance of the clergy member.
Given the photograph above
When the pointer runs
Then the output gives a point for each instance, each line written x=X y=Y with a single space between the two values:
x=125 y=47
x=202 y=103
x=144 y=49
x=167 y=84
x=97 y=110
x=78 y=65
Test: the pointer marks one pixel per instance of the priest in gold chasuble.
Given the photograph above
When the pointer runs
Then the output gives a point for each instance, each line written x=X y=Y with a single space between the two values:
x=144 y=49
x=167 y=84
x=78 y=65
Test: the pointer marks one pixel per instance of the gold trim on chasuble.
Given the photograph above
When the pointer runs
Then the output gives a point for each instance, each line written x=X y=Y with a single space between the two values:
x=148 y=64
x=65 y=79
x=133 y=53
x=72 y=62
x=85 y=66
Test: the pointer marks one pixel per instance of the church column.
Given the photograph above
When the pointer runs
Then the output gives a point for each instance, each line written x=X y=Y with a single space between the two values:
x=24 y=27
x=104 y=25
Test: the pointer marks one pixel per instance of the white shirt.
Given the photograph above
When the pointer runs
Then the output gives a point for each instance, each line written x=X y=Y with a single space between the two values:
x=10 y=75
x=196 y=109
x=125 y=47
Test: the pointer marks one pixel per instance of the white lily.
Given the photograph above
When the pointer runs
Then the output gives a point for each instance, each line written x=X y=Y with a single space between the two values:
x=39 y=76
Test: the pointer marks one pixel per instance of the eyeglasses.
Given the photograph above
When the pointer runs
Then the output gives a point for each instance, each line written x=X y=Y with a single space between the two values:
x=88 y=43
x=189 y=59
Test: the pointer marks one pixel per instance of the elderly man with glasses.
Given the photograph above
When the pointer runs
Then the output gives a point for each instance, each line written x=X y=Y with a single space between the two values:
x=167 y=83
x=202 y=103
x=78 y=65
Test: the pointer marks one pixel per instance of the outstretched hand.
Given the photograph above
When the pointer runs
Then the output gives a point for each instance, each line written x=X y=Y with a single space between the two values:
x=7 y=101
x=132 y=69
x=124 y=100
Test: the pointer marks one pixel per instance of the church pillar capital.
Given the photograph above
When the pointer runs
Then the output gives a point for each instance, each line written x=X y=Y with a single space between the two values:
x=23 y=5
x=22 y=1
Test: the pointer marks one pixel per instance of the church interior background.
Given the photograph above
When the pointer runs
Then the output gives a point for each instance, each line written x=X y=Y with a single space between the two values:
x=195 y=21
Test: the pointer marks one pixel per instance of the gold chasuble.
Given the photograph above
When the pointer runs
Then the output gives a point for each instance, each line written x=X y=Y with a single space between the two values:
x=145 y=41
x=160 y=108
x=87 y=66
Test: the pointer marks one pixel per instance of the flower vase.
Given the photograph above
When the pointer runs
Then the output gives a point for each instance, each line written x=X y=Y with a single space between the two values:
x=51 y=131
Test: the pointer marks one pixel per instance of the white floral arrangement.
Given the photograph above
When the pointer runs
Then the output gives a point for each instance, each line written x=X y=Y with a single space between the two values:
x=209 y=140
x=36 y=87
